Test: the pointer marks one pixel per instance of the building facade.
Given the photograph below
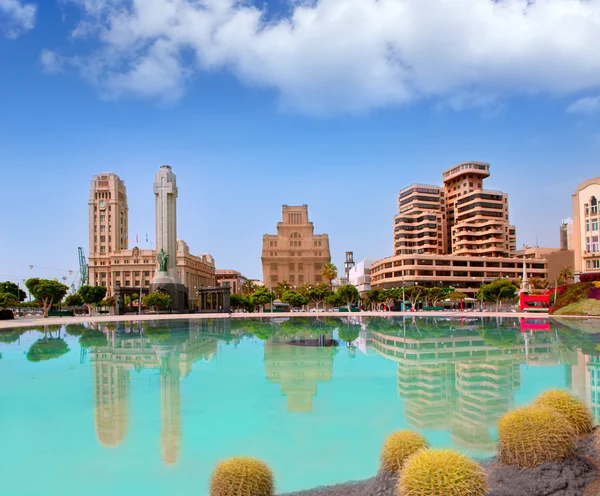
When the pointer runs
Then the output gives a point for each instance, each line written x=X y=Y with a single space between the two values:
x=458 y=218
x=455 y=236
x=295 y=254
x=233 y=278
x=557 y=259
x=585 y=226
x=360 y=276
x=112 y=264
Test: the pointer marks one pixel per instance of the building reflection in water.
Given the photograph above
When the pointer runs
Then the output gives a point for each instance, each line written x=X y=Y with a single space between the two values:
x=461 y=379
x=171 y=351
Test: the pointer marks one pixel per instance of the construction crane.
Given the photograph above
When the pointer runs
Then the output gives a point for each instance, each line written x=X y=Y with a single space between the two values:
x=83 y=269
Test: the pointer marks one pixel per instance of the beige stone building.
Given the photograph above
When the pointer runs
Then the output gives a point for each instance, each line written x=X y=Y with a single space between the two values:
x=295 y=254
x=457 y=235
x=458 y=218
x=557 y=259
x=112 y=263
x=585 y=228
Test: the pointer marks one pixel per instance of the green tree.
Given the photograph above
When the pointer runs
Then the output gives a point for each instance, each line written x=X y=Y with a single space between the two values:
x=92 y=295
x=93 y=338
x=334 y=300
x=392 y=296
x=497 y=291
x=73 y=300
x=349 y=332
x=46 y=291
x=349 y=294
x=415 y=294
x=8 y=300
x=538 y=283
x=294 y=299
x=236 y=301
x=456 y=296
x=109 y=301
x=375 y=298
x=329 y=272
x=281 y=288
x=318 y=294
x=156 y=300
x=12 y=288
x=47 y=348
x=261 y=297
x=435 y=295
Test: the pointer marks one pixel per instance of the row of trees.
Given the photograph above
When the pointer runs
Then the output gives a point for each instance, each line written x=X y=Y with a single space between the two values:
x=321 y=294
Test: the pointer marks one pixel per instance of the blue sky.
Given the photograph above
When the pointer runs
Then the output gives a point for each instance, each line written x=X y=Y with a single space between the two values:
x=336 y=104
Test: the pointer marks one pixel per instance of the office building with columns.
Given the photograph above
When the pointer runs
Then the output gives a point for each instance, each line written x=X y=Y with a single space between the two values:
x=455 y=236
x=113 y=264
x=295 y=254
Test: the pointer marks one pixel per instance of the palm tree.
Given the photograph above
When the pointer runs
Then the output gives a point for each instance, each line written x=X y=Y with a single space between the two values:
x=281 y=288
x=248 y=287
x=329 y=272
x=565 y=275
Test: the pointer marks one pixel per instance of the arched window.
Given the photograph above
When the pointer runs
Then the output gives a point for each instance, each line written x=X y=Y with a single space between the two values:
x=295 y=235
x=593 y=205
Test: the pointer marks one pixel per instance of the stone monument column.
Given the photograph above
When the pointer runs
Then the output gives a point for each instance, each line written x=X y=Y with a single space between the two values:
x=166 y=277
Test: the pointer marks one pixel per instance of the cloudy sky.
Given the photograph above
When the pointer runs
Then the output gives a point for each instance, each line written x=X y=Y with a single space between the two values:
x=334 y=103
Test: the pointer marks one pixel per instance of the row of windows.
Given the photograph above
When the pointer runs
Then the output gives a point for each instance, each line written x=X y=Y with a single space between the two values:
x=295 y=254
x=593 y=225
x=593 y=264
x=591 y=244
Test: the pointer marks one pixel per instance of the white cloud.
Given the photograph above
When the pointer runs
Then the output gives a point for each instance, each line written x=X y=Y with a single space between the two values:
x=345 y=56
x=586 y=106
x=51 y=62
x=16 y=17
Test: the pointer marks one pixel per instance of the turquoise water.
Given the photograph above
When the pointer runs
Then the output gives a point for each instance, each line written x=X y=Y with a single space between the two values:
x=131 y=408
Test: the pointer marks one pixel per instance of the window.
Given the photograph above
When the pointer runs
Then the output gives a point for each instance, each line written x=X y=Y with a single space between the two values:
x=595 y=264
x=594 y=244
x=273 y=266
x=147 y=274
x=317 y=266
x=300 y=266
x=102 y=239
x=292 y=278
x=593 y=205
x=102 y=228
x=300 y=278
x=587 y=225
x=291 y=266
x=594 y=224
x=102 y=218
x=117 y=273
x=145 y=261
x=588 y=264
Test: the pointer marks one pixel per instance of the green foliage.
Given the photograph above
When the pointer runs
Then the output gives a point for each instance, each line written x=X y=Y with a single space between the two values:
x=587 y=307
x=497 y=291
x=73 y=300
x=157 y=333
x=398 y=447
x=375 y=297
x=441 y=472
x=574 y=293
x=261 y=297
x=434 y=295
x=501 y=338
x=8 y=300
x=13 y=289
x=564 y=276
x=46 y=291
x=533 y=435
x=242 y=477
x=75 y=329
x=348 y=294
x=109 y=301
x=92 y=295
x=93 y=338
x=47 y=348
x=456 y=296
x=281 y=288
x=10 y=336
x=334 y=300
x=570 y=408
x=329 y=272
x=415 y=294
x=349 y=332
x=236 y=301
x=294 y=299
x=318 y=294
x=156 y=300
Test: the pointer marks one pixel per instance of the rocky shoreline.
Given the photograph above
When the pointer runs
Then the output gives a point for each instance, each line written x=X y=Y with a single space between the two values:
x=579 y=476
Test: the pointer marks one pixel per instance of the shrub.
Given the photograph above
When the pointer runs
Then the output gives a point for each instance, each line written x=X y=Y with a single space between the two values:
x=569 y=407
x=589 y=277
x=441 y=473
x=242 y=477
x=572 y=294
x=594 y=292
x=398 y=447
x=533 y=435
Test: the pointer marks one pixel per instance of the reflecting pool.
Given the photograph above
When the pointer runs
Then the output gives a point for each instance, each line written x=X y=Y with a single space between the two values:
x=150 y=407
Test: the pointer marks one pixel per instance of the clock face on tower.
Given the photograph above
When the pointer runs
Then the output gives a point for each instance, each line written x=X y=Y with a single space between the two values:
x=102 y=204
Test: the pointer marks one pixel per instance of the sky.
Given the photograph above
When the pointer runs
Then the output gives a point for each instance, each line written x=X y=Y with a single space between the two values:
x=337 y=104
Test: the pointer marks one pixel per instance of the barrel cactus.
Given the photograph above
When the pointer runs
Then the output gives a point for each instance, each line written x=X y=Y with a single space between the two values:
x=569 y=407
x=441 y=472
x=398 y=447
x=242 y=477
x=532 y=435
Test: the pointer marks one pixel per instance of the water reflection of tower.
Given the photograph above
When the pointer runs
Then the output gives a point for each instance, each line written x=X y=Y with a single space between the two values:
x=298 y=370
x=111 y=395
x=170 y=401
x=583 y=377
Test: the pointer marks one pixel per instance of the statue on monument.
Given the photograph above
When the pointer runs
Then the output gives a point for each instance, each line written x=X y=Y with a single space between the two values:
x=162 y=257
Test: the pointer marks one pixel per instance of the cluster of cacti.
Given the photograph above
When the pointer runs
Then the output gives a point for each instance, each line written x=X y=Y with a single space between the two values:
x=242 y=477
x=398 y=447
x=533 y=435
x=441 y=472
x=569 y=407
